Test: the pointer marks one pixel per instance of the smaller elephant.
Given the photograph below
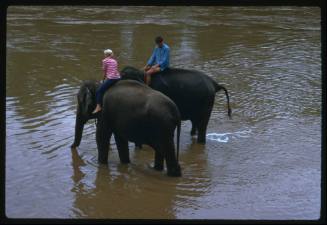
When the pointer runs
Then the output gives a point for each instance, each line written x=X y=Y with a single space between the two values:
x=134 y=112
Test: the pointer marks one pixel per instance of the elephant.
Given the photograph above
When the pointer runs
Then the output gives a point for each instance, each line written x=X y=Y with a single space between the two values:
x=132 y=111
x=192 y=91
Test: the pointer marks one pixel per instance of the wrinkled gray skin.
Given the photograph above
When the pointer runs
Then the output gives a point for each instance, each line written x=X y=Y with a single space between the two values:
x=192 y=91
x=132 y=112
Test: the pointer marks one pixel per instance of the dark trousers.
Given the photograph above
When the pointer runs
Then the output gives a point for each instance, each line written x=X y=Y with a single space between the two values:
x=102 y=89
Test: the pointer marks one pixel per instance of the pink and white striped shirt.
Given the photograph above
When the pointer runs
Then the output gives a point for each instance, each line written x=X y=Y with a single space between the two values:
x=110 y=68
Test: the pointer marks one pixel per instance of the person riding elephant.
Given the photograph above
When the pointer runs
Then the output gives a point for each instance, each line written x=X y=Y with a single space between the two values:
x=159 y=60
x=111 y=76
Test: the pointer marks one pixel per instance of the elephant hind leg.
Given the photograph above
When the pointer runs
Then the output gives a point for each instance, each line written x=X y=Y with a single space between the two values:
x=123 y=151
x=173 y=168
x=158 y=160
x=202 y=131
x=203 y=123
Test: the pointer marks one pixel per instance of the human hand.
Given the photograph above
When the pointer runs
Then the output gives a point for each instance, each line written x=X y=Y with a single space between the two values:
x=146 y=67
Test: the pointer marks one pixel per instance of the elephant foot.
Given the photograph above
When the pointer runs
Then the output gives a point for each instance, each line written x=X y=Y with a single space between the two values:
x=138 y=146
x=158 y=167
x=103 y=160
x=175 y=172
x=201 y=141
x=125 y=161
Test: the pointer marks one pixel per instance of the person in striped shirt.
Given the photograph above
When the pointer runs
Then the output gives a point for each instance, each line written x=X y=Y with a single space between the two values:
x=111 y=76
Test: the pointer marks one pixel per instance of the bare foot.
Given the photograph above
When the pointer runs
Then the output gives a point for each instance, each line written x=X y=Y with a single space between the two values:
x=97 y=109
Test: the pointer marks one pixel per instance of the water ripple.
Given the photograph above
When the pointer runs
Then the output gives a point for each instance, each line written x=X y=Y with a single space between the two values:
x=224 y=137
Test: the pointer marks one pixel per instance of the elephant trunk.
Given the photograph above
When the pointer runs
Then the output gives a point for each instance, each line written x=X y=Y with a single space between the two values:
x=85 y=105
x=79 y=126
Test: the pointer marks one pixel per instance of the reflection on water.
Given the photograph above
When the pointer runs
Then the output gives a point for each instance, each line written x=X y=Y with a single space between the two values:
x=137 y=191
x=262 y=164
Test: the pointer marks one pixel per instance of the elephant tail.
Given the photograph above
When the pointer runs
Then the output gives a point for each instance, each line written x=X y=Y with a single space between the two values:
x=220 y=87
x=178 y=137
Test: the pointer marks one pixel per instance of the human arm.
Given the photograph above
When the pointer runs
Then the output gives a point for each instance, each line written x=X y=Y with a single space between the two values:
x=164 y=61
x=152 y=58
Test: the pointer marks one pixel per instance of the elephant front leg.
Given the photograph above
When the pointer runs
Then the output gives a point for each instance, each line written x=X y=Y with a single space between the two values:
x=102 y=139
x=158 y=160
x=193 y=130
x=123 y=151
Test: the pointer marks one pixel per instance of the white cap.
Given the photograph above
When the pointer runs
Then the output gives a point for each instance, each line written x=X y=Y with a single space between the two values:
x=108 y=52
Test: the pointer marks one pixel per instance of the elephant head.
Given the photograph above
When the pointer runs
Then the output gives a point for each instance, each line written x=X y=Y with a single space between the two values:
x=86 y=103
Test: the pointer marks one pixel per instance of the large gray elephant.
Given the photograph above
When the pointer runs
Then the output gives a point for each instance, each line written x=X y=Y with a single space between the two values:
x=192 y=91
x=132 y=112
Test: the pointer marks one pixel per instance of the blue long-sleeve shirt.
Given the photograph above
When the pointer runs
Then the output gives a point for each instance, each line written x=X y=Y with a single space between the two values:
x=160 y=56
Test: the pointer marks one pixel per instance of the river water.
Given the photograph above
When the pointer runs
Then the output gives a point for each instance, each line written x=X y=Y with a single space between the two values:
x=262 y=164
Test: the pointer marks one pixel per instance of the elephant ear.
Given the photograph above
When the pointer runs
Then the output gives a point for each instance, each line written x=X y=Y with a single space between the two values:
x=85 y=101
x=88 y=100
x=80 y=97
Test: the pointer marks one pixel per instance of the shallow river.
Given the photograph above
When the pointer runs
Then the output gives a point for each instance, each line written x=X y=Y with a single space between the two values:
x=262 y=164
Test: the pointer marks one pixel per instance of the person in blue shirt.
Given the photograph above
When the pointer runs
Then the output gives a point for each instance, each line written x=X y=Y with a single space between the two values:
x=158 y=61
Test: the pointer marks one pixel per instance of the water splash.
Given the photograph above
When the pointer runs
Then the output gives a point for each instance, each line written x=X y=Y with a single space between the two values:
x=225 y=137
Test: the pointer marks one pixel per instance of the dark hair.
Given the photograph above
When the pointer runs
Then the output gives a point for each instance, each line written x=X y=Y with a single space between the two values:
x=158 y=39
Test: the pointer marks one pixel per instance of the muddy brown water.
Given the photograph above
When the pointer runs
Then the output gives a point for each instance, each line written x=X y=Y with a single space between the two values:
x=262 y=164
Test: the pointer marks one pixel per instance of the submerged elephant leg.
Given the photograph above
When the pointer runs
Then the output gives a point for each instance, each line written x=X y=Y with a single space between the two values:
x=202 y=132
x=138 y=145
x=103 y=138
x=158 y=160
x=123 y=151
x=173 y=168
x=110 y=134
x=203 y=123
x=194 y=128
